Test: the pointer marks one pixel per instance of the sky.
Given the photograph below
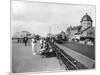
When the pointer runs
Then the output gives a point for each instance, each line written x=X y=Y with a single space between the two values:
x=37 y=17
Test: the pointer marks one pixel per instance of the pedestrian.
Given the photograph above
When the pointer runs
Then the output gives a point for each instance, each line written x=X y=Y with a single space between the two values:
x=33 y=46
x=25 y=40
x=18 y=40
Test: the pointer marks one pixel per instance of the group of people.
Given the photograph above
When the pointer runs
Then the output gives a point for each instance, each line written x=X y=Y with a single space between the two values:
x=45 y=49
x=43 y=46
x=24 y=40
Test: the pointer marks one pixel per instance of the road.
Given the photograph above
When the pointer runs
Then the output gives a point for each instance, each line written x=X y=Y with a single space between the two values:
x=23 y=60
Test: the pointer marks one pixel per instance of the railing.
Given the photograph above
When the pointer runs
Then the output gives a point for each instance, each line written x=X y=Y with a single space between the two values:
x=69 y=62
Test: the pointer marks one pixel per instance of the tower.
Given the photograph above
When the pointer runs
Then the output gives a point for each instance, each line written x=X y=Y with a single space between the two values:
x=86 y=22
x=87 y=30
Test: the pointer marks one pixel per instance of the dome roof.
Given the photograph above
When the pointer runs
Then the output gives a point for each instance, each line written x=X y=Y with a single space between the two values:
x=86 y=17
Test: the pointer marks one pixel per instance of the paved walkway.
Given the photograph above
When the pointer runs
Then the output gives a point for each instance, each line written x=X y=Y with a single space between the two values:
x=24 y=61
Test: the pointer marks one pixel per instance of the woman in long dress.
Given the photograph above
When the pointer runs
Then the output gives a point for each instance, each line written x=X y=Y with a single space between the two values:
x=33 y=46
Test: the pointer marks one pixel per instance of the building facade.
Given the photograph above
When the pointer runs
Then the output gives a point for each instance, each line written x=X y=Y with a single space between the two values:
x=87 y=29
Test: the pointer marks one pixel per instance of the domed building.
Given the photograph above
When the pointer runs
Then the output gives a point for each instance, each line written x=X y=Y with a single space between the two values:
x=87 y=29
x=86 y=21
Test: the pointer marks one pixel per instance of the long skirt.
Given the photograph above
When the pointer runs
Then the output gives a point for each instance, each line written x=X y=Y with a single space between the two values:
x=33 y=49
